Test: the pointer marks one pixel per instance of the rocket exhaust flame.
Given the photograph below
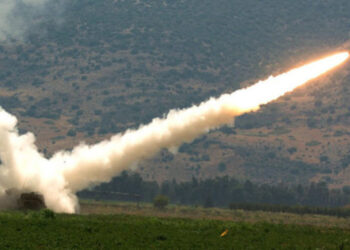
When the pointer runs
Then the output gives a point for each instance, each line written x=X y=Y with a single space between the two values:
x=59 y=178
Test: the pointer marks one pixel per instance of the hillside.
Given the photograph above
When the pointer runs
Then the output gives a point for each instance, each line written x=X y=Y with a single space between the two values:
x=113 y=65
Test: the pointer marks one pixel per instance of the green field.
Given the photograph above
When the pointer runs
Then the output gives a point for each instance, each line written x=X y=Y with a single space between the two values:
x=43 y=230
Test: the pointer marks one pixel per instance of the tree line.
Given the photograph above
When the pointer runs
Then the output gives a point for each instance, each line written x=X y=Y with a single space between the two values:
x=219 y=191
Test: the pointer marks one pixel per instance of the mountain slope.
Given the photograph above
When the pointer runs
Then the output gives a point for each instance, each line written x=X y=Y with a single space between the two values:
x=113 y=65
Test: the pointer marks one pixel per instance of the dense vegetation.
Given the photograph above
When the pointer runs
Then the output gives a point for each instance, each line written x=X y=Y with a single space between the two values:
x=36 y=230
x=219 y=191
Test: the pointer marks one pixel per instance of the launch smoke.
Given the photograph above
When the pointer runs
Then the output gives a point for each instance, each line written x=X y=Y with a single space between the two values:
x=67 y=172
x=19 y=16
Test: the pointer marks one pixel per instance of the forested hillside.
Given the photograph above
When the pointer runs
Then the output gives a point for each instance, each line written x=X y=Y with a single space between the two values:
x=110 y=65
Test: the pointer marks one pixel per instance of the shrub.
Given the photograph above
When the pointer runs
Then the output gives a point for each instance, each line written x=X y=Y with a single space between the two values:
x=160 y=201
x=346 y=189
x=47 y=214
x=222 y=167
x=292 y=150
x=313 y=143
x=71 y=132
x=324 y=158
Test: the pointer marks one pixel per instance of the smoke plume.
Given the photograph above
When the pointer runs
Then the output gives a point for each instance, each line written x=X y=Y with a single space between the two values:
x=60 y=177
x=17 y=17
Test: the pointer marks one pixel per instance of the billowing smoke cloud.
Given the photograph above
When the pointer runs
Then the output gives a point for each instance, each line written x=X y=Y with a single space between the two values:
x=17 y=17
x=60 y=177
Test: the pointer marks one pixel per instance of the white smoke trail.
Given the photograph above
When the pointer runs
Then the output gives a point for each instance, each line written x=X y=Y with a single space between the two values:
x=60 y=177
x=19 y=16
x=24 y=168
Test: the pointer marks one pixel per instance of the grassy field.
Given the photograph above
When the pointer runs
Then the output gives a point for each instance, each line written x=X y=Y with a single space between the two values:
x=146 y=228
x=35 y=231
x=191 y=212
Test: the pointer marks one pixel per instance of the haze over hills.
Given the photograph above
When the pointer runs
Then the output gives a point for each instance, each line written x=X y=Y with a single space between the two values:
x=113 y=65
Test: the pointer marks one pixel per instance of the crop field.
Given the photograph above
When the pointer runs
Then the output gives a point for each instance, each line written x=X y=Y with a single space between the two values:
x=192 y=212
x=119 y=230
